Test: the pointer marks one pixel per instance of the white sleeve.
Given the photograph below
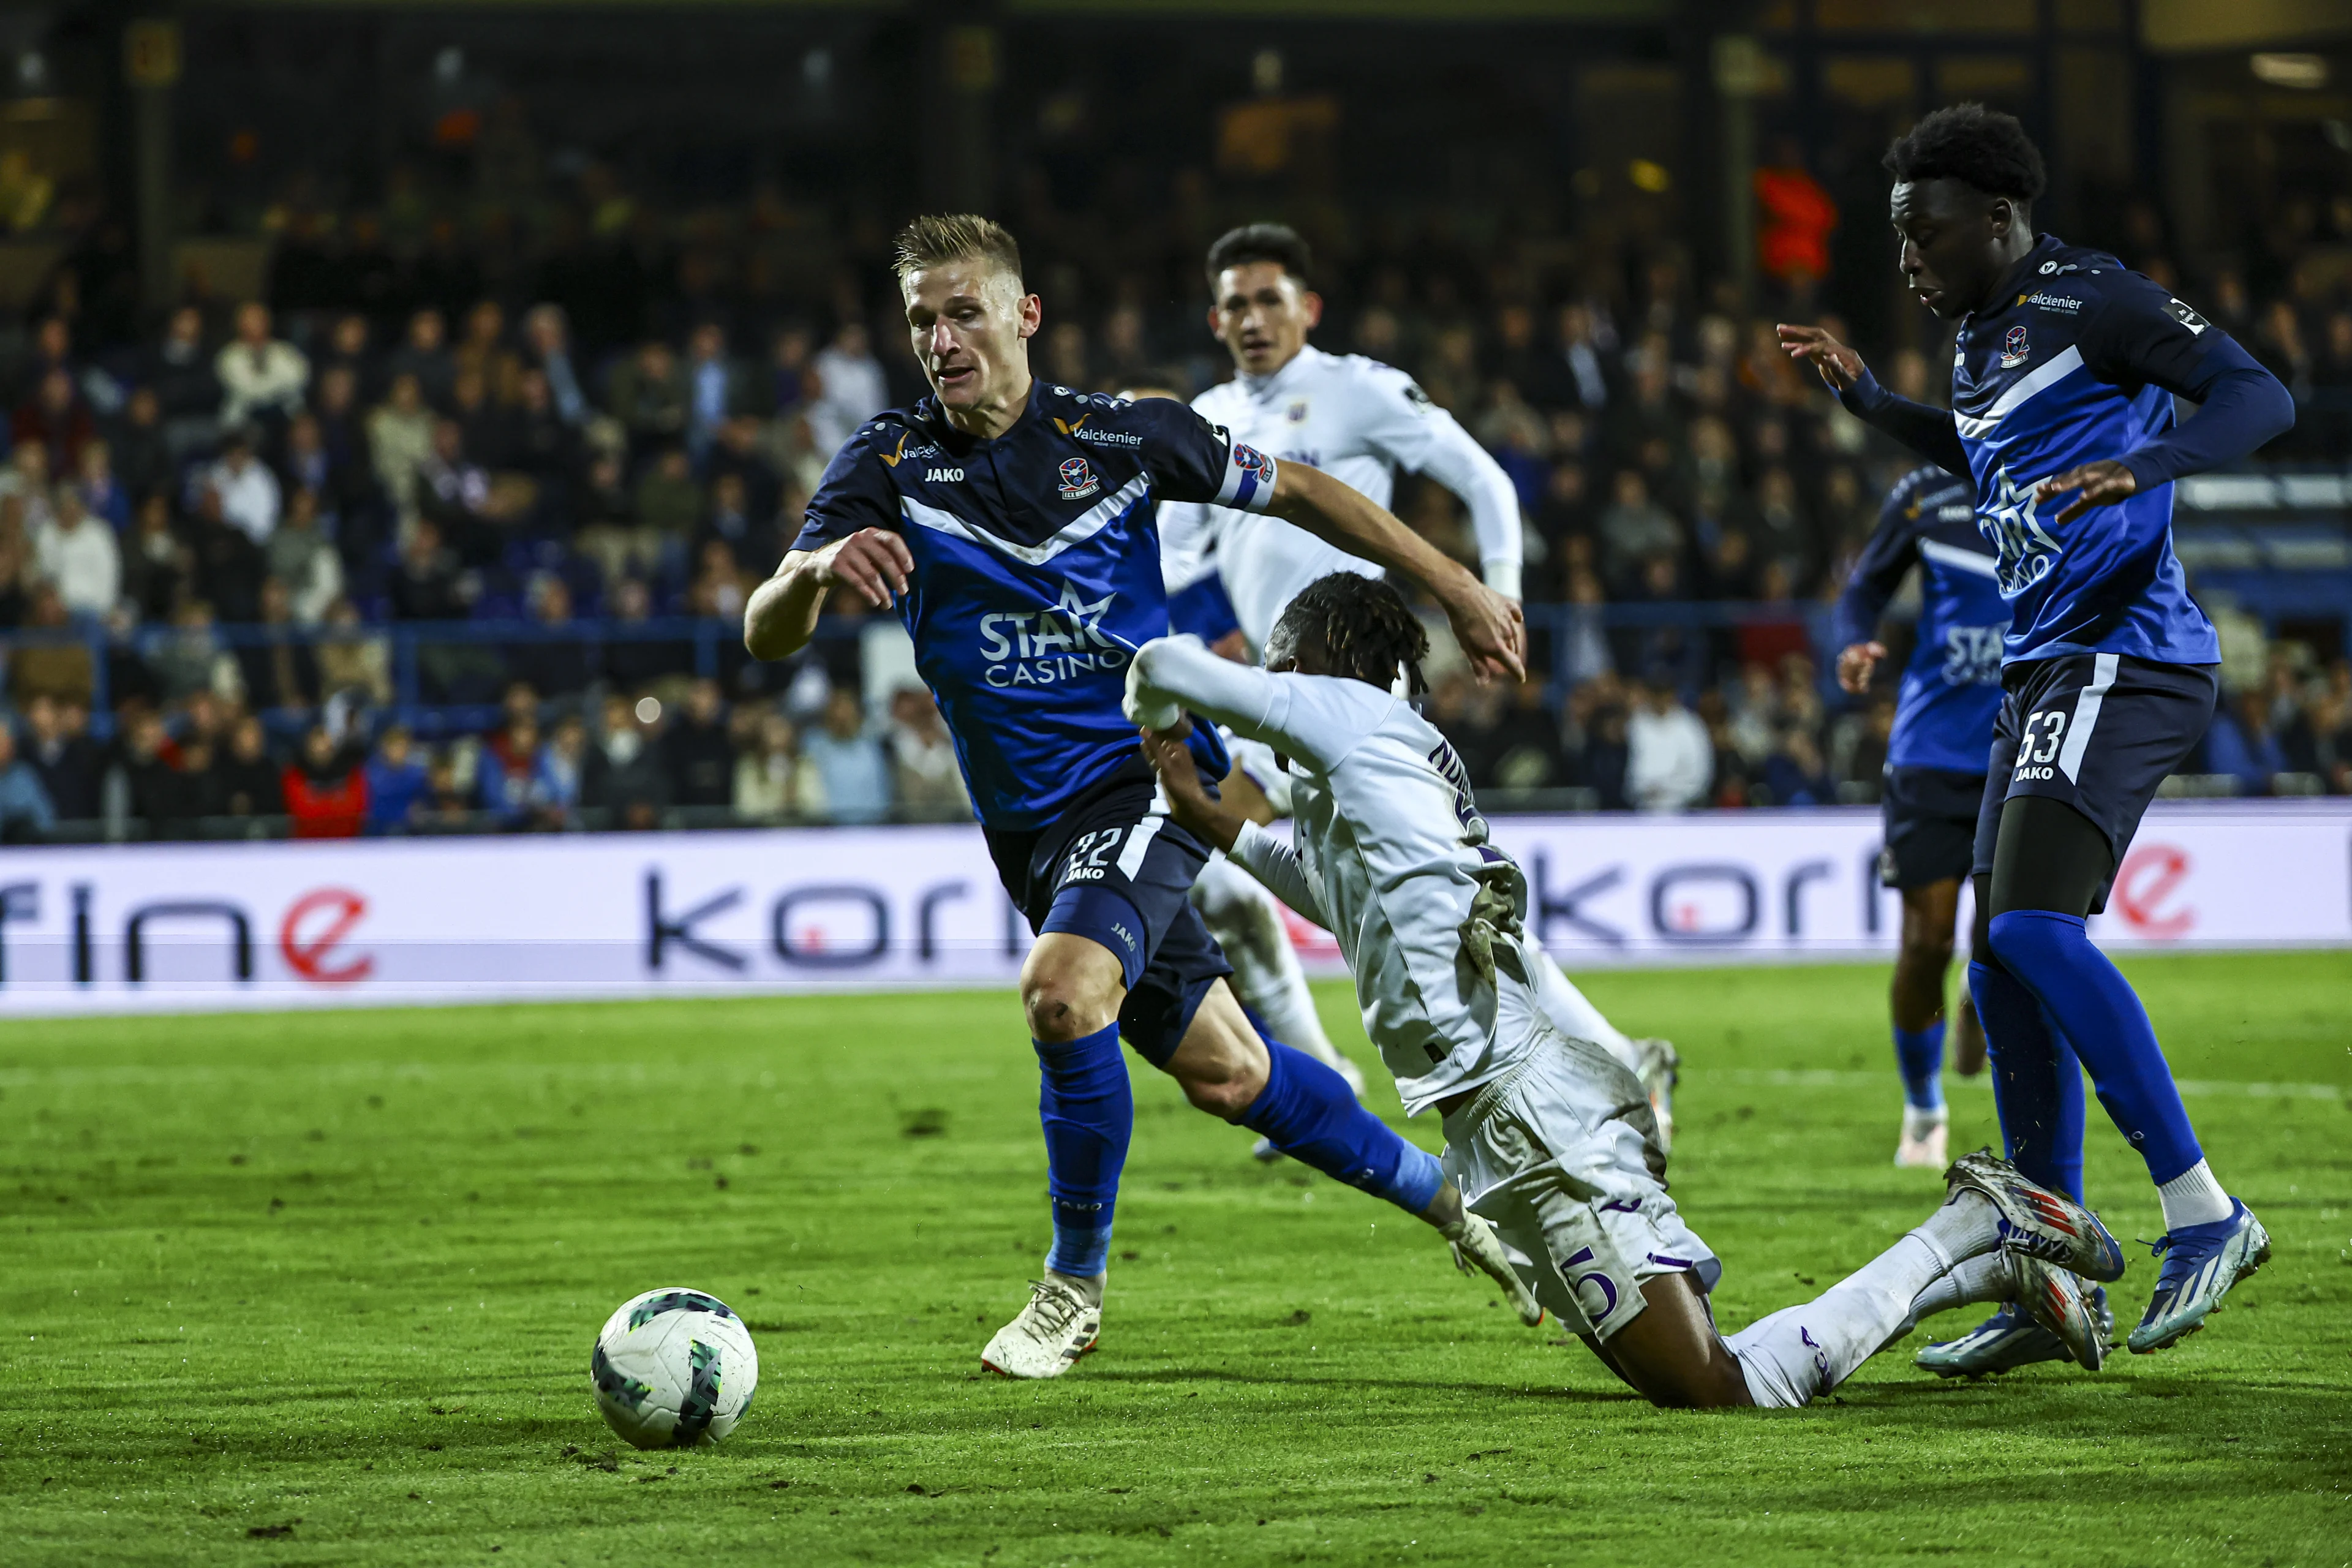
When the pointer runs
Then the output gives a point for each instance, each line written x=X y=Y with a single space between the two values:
x=1185 y=535
x=1401 y=425
x=1317 y=719
x=1277 y=865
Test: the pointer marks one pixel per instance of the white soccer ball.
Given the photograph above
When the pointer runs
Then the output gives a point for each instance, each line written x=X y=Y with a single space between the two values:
x=674 y=1368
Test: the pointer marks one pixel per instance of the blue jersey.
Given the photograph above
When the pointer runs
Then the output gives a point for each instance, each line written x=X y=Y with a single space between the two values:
x=1036 y=574
x=1951 y=688
x=2077 y=362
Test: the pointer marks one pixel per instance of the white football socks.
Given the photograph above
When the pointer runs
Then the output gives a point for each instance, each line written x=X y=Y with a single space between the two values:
x=1976 y=1281
x=2193 y=1198
x=1801 y=1353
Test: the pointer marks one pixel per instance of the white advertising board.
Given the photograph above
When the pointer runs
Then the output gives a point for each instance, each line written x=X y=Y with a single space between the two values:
x=174 y=927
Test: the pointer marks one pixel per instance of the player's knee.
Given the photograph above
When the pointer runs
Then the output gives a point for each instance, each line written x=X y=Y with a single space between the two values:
x=2009 y=932
x=1926 y=950
x=1064 y=1006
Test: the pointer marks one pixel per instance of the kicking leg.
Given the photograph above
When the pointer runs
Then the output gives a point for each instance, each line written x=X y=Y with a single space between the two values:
x=1917 y=1004
x=2050 y=866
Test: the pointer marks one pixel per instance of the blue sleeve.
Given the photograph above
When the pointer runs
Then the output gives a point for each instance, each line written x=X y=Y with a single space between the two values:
x=1202 y=608
x=856 y=492
x=1926 y=431
x=1190 y=459
x=2142 y=336
x=1894 y=545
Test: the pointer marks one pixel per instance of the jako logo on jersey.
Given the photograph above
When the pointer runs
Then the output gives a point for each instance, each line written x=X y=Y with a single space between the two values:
x=2012 y=348
x=943 y=476
x=1077 y=480
x=1047 y=648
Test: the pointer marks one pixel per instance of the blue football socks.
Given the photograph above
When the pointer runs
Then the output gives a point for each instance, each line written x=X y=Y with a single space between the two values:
x=1308 y=1113
x=2103 y=1019
x=2037 y=1085
x=1920 y=1053
x=1090 y=1114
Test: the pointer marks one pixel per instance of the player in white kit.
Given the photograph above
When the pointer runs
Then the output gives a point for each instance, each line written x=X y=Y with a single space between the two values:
x=1362 y=421
x=1548 y=1136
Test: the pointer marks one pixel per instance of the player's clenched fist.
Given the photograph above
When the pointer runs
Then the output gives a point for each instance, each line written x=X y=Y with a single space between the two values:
x=1855 y=663
x=874 y=561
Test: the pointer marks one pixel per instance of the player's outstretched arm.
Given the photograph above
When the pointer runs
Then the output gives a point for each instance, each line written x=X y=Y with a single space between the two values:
x=1490 y=628
x=1926 y=431
x=780 y=616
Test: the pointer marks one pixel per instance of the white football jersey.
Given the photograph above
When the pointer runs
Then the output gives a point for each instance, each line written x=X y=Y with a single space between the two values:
x=1359 y=421
x=1391 y=855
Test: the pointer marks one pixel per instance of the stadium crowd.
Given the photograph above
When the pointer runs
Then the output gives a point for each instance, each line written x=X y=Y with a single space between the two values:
x=212 y=538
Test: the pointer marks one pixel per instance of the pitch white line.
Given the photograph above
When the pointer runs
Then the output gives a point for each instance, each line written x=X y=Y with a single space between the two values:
x=1826 y=1078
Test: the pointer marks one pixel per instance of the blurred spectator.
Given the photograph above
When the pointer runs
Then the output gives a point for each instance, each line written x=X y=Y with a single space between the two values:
x=251 y=783
x=56 y=745
x=557 y=666
x=326 y=793
x=191 y=790
x=278 y=671
x=189 y=659
x=355 y=665
x=2241 y=744
x=27 y=814
x=669 y=501
x=55 y=420
x=719 y=588
x=635 y=784
x=259 y=374
x=852 y=388
x=138 y=784
x=715 y=389
x=548 y=340
x=425 y=585
x=1670 y=761
x=631 y=659
x=423 y=356
x=1634 y=530
x=565 y=780
x=927 y=781
x=248 y=492
x=771 y=779
x=75 y=552
x=453 y=493
x=396 y=783
x=187 y=390
x=851 y=771
x=609 y=533
x=304 y=560
x=159 y=570
x=647 y=393
x=100 y=491
x=228 y=564
x=510 y=780
x=400 y=438
x=58 y=665
x=1795 y=773
x=696 y=754
x=140 y=452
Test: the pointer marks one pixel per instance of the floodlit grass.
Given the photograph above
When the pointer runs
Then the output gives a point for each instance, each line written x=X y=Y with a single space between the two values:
x=319 y=1288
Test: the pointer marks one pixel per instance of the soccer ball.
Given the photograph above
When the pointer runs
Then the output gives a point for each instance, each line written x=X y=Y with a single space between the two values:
x=674 y=1368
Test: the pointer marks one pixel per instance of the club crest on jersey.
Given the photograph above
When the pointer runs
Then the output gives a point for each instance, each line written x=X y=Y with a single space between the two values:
x=1298 y=412
x=1077 y=480
x=2013 y=351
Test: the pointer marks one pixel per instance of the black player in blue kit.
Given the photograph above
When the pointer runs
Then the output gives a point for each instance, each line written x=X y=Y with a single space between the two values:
x=1935 y=777
x=1011 y=524
x=2062 y=386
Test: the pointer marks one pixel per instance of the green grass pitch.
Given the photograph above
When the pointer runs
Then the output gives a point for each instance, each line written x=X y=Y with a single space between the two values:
x=319 y=1288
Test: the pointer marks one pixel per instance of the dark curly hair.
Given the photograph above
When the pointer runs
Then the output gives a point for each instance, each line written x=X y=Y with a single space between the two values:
x=1361 y=625
x=1275 y=242
x=1982 y=148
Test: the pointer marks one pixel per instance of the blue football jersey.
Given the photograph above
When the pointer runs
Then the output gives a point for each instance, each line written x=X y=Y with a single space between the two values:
x=2080 y=362
x=1951 y=687
x=1036 y=574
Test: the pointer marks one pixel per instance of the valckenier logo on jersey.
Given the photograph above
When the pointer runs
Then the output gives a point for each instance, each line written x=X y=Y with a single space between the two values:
x=1048 y=647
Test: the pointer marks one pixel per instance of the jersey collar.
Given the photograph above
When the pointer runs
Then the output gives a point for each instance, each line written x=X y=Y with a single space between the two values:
x=2045 y=246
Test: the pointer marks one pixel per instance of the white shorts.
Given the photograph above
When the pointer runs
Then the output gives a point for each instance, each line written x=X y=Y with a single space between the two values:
x=1560 y=1154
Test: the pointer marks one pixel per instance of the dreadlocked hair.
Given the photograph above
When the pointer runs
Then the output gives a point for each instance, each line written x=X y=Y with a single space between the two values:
x=1363 y=627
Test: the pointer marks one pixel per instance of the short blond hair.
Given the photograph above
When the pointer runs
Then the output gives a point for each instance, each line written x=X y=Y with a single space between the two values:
x=938 y=237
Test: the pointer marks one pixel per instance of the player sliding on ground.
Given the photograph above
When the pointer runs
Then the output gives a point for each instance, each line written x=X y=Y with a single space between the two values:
x=1010 y=523
x=2062 y=388
x=1360 y=421
x=1549 y=1137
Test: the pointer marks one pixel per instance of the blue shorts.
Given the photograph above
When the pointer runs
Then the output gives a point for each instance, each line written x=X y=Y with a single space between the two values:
x=2098 y=730
x=1930 y=820
x=1116 y=871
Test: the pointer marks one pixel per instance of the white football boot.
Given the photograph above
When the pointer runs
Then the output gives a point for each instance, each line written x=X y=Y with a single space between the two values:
x=1057 y=1327
x=1477 y=1247
x=1922 y=1144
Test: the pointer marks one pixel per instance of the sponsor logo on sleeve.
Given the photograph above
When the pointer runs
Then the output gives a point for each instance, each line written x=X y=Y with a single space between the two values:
x=2187 y=318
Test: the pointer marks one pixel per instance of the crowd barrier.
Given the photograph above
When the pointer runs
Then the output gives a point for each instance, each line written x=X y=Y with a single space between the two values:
x=166 y=927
